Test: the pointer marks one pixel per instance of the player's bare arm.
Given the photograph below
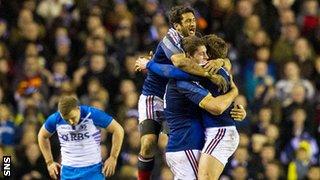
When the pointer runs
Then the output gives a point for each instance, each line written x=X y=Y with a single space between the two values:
x=45 y=147
x=190 y=66
x=117 y=138
x=181 y=61
x=217 y=105
x=214 y=65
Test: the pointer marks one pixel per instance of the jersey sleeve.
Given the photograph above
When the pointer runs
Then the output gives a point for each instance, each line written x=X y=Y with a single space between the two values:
x=225 y=74
x=192 y=91
x=100 y=118
x=51 y=123
x=170 y=47
x=170 y=71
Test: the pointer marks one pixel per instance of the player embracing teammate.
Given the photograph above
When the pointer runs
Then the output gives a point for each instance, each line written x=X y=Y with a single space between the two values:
x=190 y=103
x=151 y=106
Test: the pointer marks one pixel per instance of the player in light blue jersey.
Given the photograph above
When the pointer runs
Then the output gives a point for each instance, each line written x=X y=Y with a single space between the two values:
x=78 y=128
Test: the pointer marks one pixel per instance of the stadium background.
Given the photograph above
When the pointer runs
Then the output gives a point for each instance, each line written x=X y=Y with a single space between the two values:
x=88 y=48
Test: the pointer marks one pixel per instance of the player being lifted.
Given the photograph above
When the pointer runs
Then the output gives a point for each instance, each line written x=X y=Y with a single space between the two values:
x=183 y=22
x=78 y=128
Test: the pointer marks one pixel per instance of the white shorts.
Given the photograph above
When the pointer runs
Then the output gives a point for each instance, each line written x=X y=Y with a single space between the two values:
x=183 y=164
x=221 y=142
x=150 y=107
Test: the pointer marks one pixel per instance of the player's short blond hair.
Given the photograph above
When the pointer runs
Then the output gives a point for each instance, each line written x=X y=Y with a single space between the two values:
x=67 y=104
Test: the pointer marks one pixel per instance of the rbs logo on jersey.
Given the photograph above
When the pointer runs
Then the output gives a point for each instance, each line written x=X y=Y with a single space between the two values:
x=75 y=136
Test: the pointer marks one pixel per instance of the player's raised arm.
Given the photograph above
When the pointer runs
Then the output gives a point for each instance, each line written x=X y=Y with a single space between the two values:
x=117 y=138
x=45 y=147
x=181 y=61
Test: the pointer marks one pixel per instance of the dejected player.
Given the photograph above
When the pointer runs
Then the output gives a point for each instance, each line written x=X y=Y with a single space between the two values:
x=78 y=128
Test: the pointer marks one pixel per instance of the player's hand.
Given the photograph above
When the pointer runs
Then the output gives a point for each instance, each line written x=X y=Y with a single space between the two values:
x=238 y=113
x=214 y=65
x=220 y=82
x=150 y=55
x=141 y=63
x=54 y=169
x=109 y=166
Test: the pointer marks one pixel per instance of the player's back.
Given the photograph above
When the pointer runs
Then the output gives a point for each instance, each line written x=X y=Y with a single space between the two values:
x=169 y=45
x=183 y=118
x=224 y=119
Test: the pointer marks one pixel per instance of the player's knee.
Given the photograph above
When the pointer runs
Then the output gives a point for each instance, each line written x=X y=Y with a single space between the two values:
x=149 y=127
x=148 y=144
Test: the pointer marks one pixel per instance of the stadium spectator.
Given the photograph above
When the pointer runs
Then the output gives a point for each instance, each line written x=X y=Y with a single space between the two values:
x=292 y=77
x=8 y=130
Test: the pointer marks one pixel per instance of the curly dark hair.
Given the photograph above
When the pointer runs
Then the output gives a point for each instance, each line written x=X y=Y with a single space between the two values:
x=175 y=14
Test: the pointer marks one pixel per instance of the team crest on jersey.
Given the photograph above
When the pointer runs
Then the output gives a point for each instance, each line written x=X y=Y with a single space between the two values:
x=82 y=127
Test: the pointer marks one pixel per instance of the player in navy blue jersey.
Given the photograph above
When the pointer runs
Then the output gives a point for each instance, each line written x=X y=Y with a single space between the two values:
x=217 y=48
x=79 y=133
x=221 y=135
x=186 y=136
x=183 y=24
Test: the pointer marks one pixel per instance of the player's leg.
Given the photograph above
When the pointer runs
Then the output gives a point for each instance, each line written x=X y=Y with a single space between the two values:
x=149 y=129
x=183 y=164
x=220 y=144
x=206 y=172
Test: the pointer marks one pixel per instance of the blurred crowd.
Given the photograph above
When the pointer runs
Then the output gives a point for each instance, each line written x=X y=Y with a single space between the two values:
x=88 y=48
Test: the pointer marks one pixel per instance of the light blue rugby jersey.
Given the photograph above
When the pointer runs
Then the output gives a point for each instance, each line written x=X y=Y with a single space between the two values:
x=80 y=144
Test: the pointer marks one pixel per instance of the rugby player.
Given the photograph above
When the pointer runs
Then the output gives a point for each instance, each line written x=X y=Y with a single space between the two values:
x=151 y=116
x=78 y=128
x=221 y=135
x=182 y=98
x=217 y=48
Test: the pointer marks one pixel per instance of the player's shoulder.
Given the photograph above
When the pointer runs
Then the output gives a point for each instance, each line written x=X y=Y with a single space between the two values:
x=171 y=39
x=191 y=87
x=88 y=109
x=54 y=118
x=173 y=35
x=85 y=108
x=187 y=84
